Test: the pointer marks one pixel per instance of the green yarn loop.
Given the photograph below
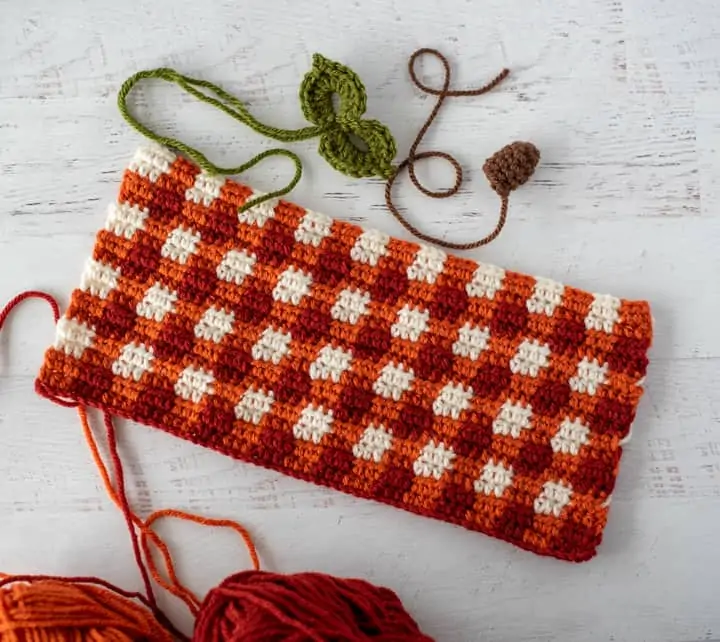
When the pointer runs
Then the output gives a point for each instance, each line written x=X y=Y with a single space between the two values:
x=337 y=130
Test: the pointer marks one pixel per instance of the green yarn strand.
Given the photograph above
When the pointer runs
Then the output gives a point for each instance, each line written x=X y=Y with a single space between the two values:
x=279 y=192
x=223 y=100
x=236 y=109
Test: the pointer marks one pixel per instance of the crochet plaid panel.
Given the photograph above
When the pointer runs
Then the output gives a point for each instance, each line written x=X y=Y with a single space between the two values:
x=383 y=368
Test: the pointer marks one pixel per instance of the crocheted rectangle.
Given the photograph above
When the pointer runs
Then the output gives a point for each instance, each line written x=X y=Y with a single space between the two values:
x=342 y=356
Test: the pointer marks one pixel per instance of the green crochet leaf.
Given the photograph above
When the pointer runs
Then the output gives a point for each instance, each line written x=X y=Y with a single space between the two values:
x=337 y=146
x=340 y=151
x=325 y=79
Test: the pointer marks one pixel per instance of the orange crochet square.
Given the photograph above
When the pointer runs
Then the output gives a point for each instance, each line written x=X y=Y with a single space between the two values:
x=386 y=369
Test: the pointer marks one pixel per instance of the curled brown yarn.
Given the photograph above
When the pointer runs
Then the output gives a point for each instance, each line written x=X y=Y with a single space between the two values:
x=506 y=170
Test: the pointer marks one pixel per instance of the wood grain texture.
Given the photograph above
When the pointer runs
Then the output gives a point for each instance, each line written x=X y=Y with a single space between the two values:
x=621 y=97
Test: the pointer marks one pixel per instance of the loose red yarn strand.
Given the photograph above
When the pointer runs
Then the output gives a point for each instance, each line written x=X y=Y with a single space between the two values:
x=125 y=506
x=30 y=294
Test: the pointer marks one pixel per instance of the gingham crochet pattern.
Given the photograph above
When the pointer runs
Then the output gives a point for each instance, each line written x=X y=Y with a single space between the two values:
x=383 y=368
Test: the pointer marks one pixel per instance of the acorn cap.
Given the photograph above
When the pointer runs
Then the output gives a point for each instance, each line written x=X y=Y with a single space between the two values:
x=511 y=167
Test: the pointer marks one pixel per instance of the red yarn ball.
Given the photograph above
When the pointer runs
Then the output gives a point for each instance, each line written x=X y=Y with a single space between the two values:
x=255 y=606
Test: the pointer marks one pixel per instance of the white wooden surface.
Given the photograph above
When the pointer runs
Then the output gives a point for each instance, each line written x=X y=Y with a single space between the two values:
x=622 y=97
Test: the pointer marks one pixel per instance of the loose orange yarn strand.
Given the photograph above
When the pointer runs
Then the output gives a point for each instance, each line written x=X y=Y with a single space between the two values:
x=209 y=521
x=110 y=490
x=197 y=519
x=148 y=536
x=137 y=521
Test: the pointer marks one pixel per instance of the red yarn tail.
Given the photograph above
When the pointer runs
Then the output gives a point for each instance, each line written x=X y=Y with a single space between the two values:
x=30 y=294
x=5 y=313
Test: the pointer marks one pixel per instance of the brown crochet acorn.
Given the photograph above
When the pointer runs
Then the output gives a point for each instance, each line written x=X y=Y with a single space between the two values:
x=506 y=170
x=511 y=167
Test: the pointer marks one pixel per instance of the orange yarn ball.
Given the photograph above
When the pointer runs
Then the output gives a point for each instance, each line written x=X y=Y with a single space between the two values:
x=51 y=610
